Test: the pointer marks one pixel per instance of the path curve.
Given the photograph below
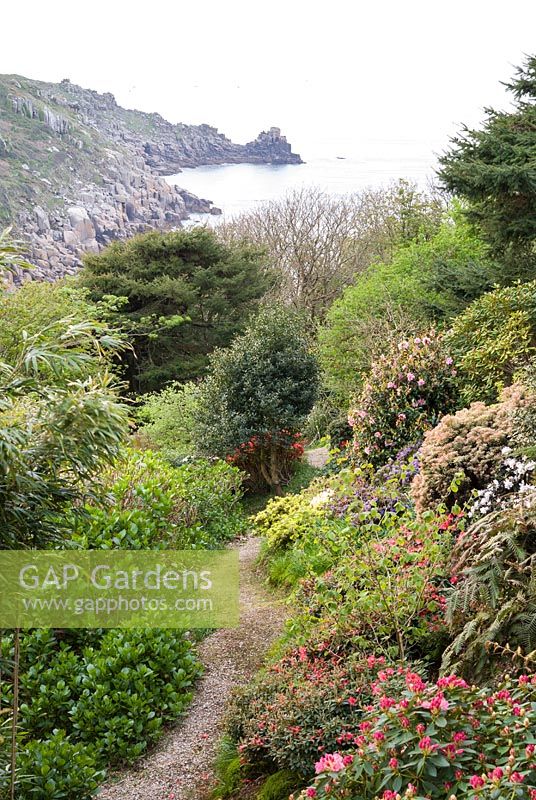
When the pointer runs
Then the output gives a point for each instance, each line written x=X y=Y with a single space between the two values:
x=317 y=457
x=180 y=766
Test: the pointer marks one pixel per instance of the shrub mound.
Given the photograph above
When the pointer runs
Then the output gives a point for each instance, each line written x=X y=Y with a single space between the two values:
x=465 y=450
x=405 y=394
x=436 y=740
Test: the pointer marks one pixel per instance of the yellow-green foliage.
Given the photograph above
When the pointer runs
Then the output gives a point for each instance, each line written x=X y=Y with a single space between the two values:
x=287 y=519
x=279 y=785
x=494 y=338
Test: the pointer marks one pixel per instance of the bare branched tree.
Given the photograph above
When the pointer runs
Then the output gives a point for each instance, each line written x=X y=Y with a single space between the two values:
x=318 y=243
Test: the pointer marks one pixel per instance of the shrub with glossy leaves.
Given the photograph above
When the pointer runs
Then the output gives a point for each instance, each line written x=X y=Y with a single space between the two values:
x=57 y=769
x=405 y=394
x=131 y=686
x=436 y=740
x=299 y=707
x=263 y=386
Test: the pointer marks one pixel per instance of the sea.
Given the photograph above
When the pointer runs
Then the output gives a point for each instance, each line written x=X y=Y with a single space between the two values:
x=336 y=166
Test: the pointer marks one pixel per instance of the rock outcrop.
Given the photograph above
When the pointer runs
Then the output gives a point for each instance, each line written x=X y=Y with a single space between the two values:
x=270 y=147
x=78 y=171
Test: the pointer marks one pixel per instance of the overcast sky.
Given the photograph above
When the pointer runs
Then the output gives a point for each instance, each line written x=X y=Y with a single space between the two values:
x=381 y=69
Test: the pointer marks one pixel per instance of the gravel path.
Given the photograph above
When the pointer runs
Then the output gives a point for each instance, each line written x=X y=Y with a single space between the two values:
x=179 y=768
x=318 y=457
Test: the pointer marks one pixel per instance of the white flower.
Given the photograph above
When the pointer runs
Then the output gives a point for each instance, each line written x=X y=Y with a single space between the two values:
x=506 y=451
x=322 y=498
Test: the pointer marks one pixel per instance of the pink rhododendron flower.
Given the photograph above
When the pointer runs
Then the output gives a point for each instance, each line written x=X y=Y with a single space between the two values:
x=331 y=762
x=476 y=781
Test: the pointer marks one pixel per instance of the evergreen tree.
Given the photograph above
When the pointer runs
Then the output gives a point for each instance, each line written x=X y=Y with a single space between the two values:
x=186 y=294
x=495 y=169
x=257 y=395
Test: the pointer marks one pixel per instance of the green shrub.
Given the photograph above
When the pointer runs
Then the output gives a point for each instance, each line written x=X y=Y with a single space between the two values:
x=465 y=450
x=49 y=688
x=135 y=682
x=59 y=428
x=290 y=518
x=493 y=339
x=258 y=394
x=302 y=703
x=386 y=587
x=523 y=439
x=405 y=394
x=148 y=503
x=42 y=308
x=114 y=695
x=279 y=785
x=167 y=419
x=384 y=592
x=426 y=281
x=6 y=723
x=340 y=432
x=436 y=740
x=56 y=769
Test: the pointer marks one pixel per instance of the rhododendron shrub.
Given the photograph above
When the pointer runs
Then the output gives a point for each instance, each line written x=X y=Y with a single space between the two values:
x=435 y=740
x=406 y=393
x=254 y=457
x=467 y=449
x=300 y=707
x=391 y=591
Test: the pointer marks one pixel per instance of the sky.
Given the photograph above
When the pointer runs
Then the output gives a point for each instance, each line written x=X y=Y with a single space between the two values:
x=375 y=71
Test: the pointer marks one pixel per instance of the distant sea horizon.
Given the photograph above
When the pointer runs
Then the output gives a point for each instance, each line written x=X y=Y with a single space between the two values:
x=336 y=166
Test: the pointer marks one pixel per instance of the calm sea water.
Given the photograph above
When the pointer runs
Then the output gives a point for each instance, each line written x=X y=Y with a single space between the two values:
x=337 y=167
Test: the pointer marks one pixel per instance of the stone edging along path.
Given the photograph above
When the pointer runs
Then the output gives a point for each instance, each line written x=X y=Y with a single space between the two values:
x=180 y=767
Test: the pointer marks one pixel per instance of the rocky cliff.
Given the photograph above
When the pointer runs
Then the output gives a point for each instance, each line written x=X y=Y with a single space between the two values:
x=77 y=170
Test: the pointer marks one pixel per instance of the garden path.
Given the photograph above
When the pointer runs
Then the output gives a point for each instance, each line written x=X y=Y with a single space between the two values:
x=180 y=766
x=318 y=457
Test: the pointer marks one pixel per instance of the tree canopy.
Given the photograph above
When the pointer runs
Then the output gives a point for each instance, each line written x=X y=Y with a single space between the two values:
x=186 y=293
x=495 y=169
x=317 y=243
x=425 y=283
x=259 y=391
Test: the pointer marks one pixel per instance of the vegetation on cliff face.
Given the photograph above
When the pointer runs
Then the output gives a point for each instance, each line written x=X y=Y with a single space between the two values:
x=78 y=171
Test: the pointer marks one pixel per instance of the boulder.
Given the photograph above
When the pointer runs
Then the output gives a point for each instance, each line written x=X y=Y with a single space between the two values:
x=41 y=217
